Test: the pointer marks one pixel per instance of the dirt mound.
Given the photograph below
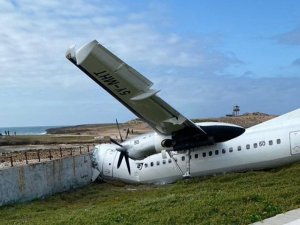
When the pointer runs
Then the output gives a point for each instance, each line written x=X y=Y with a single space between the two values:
x=137 y=126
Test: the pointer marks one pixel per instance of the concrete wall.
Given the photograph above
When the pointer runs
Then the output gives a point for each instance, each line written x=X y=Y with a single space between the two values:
x=24 y=183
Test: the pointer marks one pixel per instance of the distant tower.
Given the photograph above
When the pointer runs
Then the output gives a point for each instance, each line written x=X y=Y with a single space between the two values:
x=236 y=110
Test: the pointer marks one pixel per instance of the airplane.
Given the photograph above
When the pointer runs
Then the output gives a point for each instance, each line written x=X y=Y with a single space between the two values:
x=178 y=148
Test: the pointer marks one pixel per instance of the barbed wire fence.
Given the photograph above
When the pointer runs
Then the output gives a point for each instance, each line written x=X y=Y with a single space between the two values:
x=11 y=159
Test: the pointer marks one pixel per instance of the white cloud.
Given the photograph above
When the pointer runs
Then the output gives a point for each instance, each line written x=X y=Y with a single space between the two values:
x=35 y=75
x=35 y=35
x=291 y=37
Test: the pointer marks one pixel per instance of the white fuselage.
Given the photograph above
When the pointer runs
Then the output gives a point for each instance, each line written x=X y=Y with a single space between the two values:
x=263 y=146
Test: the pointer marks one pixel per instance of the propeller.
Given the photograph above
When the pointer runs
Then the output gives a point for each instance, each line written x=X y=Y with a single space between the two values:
x=119 y=130
x=127 y=132
x=123 y=154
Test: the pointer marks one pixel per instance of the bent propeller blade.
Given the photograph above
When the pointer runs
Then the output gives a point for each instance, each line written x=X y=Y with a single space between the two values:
x=120 y=159
x=127 y=163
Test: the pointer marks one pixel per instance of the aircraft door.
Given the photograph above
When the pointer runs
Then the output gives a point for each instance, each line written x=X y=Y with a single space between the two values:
x=108 y=162
x=295 y=142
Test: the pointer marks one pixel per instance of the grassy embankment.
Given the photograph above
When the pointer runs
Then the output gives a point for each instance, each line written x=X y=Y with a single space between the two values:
x=240 y=198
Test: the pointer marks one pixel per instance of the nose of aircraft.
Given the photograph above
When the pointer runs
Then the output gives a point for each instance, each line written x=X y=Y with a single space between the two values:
x=96 y=163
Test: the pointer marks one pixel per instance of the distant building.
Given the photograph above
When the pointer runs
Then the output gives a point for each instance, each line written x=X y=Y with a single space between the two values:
x=235 y=111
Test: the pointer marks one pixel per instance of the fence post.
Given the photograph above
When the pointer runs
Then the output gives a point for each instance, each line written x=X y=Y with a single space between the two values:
x=88 y=148
x=26 y=157
x=39 y=157
x=11 y=161
x=71 y=151
x=50 y=156
x=60 y=152
x=80 y=150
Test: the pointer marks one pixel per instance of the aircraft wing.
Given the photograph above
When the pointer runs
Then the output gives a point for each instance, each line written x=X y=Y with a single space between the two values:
x=134 y=91
x=129 y=87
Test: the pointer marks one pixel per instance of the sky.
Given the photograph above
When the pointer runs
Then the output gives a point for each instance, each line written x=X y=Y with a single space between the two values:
x=204 y=55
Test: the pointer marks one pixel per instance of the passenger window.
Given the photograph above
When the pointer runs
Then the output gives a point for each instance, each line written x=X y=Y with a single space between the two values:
x=164 y=161
x=262 y=143
x=196 y=156
x=151 y=164
x=247 y=146
x=239 y=148
x=223 y=151
x=255 y=145
x=146 y=165
x=169 y=160
x=270 y=142
x=204 y=154
x=157 y=163
x=217 y=152
x=210 y=153
x=278 y=141
x=230 y=149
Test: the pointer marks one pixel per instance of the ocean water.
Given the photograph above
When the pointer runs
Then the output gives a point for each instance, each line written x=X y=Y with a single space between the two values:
x=39 y=130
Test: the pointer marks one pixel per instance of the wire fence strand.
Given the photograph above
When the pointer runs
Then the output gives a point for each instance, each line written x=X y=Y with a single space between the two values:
x=12 y=159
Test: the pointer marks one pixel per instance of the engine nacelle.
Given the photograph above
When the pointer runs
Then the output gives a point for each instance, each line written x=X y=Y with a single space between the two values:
x=221 y=131
x=147 y=144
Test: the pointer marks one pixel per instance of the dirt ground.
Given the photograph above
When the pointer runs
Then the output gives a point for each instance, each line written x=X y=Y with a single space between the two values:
x=137 y=126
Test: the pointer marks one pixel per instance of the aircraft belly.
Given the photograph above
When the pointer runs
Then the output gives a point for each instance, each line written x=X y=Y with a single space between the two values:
x=160 y=175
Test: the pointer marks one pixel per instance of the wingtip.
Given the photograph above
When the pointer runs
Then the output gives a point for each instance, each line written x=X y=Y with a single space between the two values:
x=71 y=53
x=82 y=53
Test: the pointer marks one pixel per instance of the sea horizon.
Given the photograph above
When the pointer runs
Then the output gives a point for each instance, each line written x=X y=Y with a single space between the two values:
x=26 y=130
x=38 y=130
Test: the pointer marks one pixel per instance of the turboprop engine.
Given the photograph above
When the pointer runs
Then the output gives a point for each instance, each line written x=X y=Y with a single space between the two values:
x=138 y=147
x=145 y=145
